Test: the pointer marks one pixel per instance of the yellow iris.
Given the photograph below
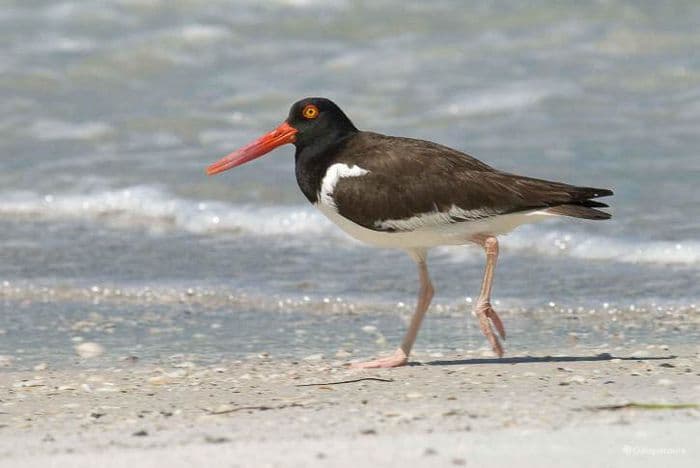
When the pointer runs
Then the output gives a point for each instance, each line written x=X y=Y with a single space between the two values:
x=310 y=111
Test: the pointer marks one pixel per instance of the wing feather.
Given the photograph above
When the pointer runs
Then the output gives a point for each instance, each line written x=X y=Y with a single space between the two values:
x=414 y=183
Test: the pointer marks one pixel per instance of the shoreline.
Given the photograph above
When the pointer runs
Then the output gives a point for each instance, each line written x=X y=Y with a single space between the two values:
x=286 y=413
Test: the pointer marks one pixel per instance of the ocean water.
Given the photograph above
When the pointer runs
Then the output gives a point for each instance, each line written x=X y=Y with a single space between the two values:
x=111 y=110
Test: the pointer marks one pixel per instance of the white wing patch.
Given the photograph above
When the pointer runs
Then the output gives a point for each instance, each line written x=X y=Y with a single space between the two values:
x=333 y=175
x=433 y=219
x=542 y=213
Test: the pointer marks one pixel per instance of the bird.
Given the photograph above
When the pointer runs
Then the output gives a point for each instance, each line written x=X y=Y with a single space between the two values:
x=412 y=194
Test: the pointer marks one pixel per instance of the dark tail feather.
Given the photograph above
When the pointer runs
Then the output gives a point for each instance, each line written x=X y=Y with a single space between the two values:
x=581 y=205
x=580 y=211
x=592 y=204
x=561 y=199
x=581 y=193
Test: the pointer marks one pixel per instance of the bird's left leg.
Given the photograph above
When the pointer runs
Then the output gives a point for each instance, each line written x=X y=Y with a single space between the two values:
x=483 y=310
x=425 y=295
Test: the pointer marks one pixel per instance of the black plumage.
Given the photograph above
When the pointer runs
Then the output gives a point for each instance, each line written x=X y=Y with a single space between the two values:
x=409 y=177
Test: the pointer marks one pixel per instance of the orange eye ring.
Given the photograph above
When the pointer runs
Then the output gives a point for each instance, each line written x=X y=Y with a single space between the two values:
x=310 y=111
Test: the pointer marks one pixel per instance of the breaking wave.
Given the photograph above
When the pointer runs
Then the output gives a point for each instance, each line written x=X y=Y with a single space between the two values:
x=146 y=205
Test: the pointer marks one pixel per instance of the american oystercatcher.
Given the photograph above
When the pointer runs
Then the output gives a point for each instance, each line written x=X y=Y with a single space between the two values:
x=413 y=195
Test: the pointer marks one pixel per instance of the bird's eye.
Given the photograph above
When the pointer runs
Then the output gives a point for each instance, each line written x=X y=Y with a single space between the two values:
x=310 y=111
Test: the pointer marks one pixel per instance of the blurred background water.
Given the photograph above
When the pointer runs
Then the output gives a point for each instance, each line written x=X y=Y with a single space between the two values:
x=111 y=109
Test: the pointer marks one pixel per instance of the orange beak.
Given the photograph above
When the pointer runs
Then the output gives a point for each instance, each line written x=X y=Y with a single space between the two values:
x=282 y=135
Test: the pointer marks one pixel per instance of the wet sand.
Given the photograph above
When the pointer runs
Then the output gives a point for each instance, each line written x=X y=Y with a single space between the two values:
x=542 y=409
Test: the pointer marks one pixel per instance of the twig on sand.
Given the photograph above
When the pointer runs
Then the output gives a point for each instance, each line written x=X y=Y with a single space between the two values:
x=377 y=379
x=646 y=406
x=227 y=410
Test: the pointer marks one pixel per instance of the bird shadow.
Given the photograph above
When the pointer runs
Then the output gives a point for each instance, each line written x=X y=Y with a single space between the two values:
x=537 y=359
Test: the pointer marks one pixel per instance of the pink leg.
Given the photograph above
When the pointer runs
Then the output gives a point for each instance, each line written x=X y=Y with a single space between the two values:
x=483 y=310
x=400 y=356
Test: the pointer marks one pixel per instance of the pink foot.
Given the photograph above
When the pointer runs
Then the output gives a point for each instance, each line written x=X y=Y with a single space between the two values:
x=397 y=359
x=487 y=316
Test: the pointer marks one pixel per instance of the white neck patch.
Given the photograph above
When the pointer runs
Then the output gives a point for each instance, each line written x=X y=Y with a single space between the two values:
x=333 y=175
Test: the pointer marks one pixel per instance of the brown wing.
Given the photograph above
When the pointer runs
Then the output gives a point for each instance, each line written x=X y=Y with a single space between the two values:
x=414 y=177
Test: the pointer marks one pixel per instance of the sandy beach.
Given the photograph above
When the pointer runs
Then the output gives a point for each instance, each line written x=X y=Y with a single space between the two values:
x=585 y=408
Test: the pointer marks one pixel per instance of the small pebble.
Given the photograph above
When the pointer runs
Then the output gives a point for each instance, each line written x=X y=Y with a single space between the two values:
x=223 y=408
x=185 y=365
x=89 y=350
x=108 y=389
x=176 y=374
x=665 y=382
x=314 y=357
x=159 y=380
x=6 y=361
x=216 y=439
x=341 y=353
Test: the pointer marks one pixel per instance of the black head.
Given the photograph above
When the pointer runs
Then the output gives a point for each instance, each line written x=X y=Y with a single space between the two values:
x=312 y=123
x=318 y=120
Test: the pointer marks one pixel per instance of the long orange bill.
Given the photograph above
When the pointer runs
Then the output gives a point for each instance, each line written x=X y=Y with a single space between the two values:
x=282 y=135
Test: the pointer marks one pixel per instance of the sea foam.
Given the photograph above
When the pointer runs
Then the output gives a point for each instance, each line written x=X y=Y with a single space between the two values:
x=146 y=205
x=141 y=205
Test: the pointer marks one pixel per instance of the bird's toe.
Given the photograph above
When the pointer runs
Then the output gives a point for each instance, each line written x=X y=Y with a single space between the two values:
x=397 y=359
x=489 y=319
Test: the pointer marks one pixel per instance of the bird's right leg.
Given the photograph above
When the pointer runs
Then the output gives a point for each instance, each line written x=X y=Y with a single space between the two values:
x=425 y=295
